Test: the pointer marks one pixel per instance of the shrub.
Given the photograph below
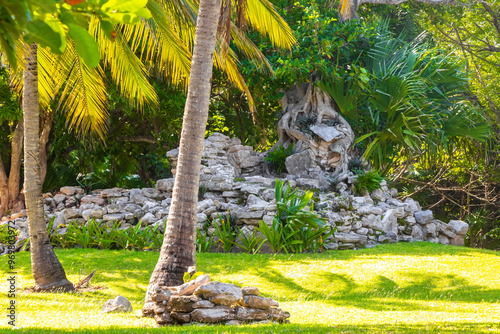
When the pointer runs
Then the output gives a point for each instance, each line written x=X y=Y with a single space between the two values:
x=226 y=231
x=203 y=242
x=276 y=159
x=368 y=181
x=356 y=164
x=249 y=242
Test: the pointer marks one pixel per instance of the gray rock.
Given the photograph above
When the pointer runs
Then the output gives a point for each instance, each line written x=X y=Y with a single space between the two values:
x=163 y=318
x=181 y=303
x=219 y=293
x=59 y=198
x=137 y=197
x=444 y=240
x=258 y=302
x=417 y=233
x=299 y=163
x=113 y=208
x=231 y=194
x=457 y=241
x=256 y=204
x=88 y=199
x=148 y=219
x=71 y=213
x=378 y=195
x=459 y=227
x=70 y=191
x=165 y=185
x=119 y=304
x=423 y=217
x=373 y=222
x=390 y=222
x=203 y=304
x=114 y=192
x=150 y=193
x=113 y=217
x=250 y=314
x=213 y=315
x=350 y=238
x=250 y=290
x=327 y=133
x=369 y=210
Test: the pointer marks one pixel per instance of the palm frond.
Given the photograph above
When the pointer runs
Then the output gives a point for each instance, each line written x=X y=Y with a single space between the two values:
x=264 y=18
x=82 y=93
x=249 y=49
x=127 y=70
x=230 y=67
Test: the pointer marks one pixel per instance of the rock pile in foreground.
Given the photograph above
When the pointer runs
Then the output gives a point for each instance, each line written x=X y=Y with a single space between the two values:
x=202 y=301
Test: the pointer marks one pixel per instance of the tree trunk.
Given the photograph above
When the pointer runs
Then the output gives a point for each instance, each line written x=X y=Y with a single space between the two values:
x=178 y=249
x=46 y=125
x=47 y=270
x=16 y=201
x=4 y=189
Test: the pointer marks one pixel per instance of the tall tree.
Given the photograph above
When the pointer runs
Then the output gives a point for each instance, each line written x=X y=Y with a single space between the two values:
x=47 y=270
x=178 y=249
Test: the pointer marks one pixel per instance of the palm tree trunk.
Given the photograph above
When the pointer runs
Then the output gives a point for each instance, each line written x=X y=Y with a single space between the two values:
x=47 y=270
x=178 y=249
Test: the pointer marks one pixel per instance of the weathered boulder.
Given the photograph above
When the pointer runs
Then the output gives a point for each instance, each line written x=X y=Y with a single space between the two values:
x=459 y=227
x=258 y=302
x=213 y=315
x=219 y=293
x=119 y=304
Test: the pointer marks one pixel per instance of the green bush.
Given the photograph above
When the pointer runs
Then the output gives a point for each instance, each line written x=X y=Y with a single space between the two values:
x=367 y=181
x=296 y=227
x=276 y=159
x=99 y=235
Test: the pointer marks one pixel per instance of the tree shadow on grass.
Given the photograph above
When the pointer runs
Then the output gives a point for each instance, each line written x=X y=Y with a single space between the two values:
x=382 y=293
x=446 y=328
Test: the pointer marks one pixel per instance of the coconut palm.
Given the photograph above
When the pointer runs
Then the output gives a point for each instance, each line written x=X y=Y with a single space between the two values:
x=178 y=249
x=47 y=270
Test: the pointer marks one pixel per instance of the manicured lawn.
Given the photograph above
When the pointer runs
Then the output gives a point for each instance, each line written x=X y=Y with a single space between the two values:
x=399 y=288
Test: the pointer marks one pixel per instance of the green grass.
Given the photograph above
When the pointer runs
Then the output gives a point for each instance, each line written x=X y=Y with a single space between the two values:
x=399 y=288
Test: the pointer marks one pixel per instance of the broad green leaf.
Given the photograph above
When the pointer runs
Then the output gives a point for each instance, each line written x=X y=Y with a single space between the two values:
x=86 y=45
x=47 y=34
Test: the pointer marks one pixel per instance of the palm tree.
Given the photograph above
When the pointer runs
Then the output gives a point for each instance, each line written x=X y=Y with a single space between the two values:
x=178 y=249
x=47 y=270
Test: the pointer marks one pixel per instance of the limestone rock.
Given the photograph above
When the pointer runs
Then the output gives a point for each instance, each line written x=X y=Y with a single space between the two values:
x=459 y=227
x=423 y=217
x=250 y=290
x=258 y=302
x=219 y=293
x=246 y=314
x=119 y=304
x=213 y=315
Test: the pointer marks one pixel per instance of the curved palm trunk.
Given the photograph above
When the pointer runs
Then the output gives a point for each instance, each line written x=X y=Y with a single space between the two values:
x=47 y=270
x=178 y=249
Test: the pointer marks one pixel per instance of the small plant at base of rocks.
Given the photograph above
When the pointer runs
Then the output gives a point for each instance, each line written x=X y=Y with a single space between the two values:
x=249 y=242
x=203 y=241
x=225 y=231
x=276 y=159
x=356 y=164
x=367 y=181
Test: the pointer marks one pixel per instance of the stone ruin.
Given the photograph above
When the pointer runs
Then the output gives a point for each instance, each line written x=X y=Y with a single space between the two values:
x=202 y=301
x=361 y=221
x=237 y=181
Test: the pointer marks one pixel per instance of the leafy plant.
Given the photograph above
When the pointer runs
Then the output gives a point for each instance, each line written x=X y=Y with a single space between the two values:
x=356 y=164
x=188 y=277
x=226 y=231
x=203 y=242
x=274 y=235
x=202 y=189
x=276 y=159
x=302 y=229
x=305 y=122
x=367 y=181
x=249 y=242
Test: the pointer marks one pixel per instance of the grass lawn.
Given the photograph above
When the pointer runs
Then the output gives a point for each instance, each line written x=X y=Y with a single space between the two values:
x=398 y=288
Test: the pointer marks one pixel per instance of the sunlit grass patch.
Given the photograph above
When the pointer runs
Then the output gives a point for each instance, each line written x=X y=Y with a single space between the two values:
x=410 y=288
